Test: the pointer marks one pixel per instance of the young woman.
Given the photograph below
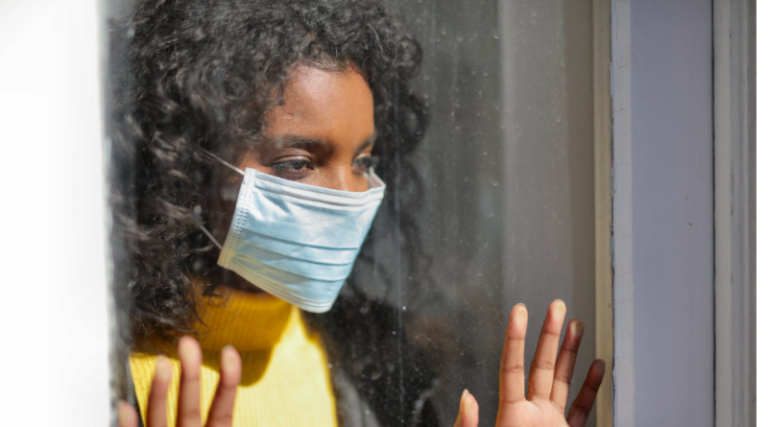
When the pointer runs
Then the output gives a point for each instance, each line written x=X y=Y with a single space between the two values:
x=245 y=135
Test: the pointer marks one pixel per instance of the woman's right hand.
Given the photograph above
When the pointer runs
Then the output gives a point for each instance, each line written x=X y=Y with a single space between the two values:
x=549 y=381
x=188 y=414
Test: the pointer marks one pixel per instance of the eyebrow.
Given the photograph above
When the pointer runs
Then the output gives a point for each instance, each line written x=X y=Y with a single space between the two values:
x=367 y=143
x=306 y=143
x=294 y=141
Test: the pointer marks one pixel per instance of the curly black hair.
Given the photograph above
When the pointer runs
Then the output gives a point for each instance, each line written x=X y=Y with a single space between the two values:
x=192 y=74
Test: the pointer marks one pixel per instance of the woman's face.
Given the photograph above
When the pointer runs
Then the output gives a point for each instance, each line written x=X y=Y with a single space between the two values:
x=323 y=134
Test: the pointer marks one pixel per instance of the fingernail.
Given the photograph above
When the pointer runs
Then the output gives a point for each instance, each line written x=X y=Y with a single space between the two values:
x=578 y=327
x=461 y=404
x=521 y=308
x=558 y=308
x=162 y=368
x=124 y=413
x=189 y=351
x=601 y=367
x=228 y=357
x=183 y=347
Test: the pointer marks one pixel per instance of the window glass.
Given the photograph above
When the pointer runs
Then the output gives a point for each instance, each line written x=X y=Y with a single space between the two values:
x=482 y=132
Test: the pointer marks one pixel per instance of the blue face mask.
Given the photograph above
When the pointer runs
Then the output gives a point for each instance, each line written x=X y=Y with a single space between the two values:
x=297 y=241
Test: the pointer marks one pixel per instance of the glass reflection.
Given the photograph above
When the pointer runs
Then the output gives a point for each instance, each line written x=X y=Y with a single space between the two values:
x=317 y=93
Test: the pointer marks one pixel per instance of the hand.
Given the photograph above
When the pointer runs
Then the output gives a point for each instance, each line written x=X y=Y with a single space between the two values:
x=188 y=414
x=549 y=381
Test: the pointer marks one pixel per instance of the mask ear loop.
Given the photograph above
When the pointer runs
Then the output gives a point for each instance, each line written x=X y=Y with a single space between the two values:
x=222 y=161
x=200 y=222
x=210 y=236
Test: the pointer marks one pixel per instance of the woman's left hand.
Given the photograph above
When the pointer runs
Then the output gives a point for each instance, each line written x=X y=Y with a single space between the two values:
x=549 y=381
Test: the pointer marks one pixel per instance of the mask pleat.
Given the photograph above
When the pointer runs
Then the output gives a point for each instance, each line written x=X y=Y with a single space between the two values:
x=314 y=270
x=306 y=293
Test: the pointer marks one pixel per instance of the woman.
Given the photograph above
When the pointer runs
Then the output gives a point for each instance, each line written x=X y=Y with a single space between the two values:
x=245 y=135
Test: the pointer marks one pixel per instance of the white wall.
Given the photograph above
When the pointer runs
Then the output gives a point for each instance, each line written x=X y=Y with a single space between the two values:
x=53 y=308
x=663 y=212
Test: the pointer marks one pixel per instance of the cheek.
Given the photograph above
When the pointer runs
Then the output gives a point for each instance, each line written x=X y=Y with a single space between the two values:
x=362 y=181
x=262 y=168
x=362 y=185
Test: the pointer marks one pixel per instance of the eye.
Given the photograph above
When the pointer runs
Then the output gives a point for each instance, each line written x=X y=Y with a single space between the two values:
x=362 y=164
x=297 y=168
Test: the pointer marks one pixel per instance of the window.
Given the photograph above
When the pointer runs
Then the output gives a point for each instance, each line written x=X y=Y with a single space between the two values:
x=483 y=130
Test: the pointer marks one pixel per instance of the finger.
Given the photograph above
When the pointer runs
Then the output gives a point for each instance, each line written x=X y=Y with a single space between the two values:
x=565 y=362
x=126 y=415
x=158 y=394
x=191 y=357
x=543 y=364
x=582 y=405
x=223 y=404
x=512 y=375
x=469 y=412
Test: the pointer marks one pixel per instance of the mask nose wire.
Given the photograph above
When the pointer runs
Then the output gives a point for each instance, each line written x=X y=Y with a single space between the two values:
x=200 y=222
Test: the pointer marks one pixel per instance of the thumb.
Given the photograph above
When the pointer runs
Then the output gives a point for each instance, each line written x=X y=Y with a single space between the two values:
x=469 y=412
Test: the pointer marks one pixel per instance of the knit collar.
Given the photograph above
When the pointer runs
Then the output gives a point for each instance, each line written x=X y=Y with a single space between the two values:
x=248 y=321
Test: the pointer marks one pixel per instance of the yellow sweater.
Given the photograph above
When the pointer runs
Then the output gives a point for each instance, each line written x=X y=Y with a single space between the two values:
x=285 y=382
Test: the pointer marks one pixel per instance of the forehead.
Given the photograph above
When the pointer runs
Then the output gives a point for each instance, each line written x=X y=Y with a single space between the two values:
x=324 y=104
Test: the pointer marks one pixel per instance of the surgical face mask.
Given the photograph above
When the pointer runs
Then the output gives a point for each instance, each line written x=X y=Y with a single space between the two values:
x=295 y=241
